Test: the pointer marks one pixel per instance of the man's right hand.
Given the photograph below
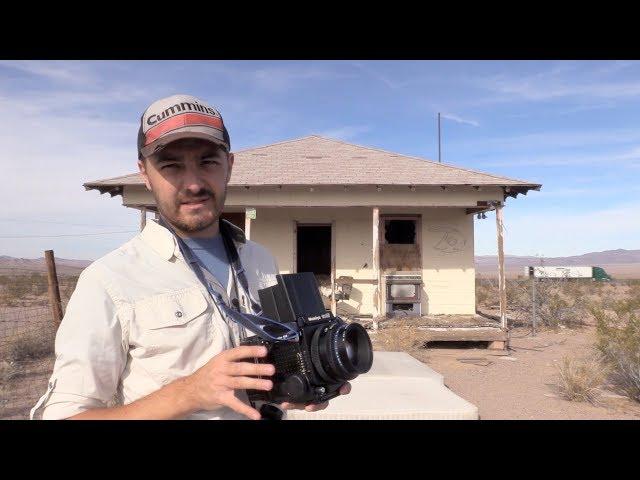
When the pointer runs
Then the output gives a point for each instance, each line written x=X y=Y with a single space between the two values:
x=213 y=385
x=210 y=387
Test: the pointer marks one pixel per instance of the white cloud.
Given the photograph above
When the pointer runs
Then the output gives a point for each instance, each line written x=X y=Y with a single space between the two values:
x=348 y=132
x=599 y=191
x=56 y=71
x=458 y=119
x=562 y=232
x=627 y=157
x=53 y=140
x=281 y=78
x=561 y=81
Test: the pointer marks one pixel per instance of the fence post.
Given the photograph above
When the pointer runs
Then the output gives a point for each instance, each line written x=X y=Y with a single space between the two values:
x=533 y=303
x=54 y=290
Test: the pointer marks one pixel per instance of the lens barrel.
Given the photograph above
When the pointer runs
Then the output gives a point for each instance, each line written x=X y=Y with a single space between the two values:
x=341 y=351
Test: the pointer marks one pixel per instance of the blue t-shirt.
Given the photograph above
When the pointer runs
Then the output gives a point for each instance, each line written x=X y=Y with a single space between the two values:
x=212 y=255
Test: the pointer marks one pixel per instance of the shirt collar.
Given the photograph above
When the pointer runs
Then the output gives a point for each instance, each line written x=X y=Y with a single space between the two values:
x=162 y=241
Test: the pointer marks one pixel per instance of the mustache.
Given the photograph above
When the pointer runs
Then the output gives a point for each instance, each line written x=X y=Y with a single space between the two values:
x=201 y=194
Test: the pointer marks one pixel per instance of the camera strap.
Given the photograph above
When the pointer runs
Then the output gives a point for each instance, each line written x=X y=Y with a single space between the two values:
x=206 y=278
x=268 y=411
x=237 y=268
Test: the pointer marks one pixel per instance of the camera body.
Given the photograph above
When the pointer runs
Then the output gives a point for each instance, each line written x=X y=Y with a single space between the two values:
x=327 y=353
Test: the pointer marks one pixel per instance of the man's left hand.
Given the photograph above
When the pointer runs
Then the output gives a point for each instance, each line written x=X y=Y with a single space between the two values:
x=314 y=407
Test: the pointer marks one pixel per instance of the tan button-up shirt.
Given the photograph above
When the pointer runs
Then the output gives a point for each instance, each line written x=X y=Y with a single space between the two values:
x=138 y=319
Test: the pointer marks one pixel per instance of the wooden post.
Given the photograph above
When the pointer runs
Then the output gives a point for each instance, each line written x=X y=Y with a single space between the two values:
x=247 y=226
x=334 y=307
x=533 y=302
x=377 y=307
x=294 y=248
x=143 y=217
x=501 y=278
x=54 y=290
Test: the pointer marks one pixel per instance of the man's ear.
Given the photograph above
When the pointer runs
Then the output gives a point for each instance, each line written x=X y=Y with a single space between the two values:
x=230 y=162
x=143 y=172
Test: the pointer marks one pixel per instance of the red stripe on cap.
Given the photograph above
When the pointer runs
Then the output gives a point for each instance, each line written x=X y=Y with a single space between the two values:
x=182 y=120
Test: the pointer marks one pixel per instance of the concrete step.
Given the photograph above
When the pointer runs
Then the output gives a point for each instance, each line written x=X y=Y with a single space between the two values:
x=401 y=364
x=398 y=387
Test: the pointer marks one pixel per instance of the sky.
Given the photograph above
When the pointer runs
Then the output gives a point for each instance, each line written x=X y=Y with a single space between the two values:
x=573 y=126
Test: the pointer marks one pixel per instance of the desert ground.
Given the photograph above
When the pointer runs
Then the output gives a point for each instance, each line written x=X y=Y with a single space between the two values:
x=521 y=382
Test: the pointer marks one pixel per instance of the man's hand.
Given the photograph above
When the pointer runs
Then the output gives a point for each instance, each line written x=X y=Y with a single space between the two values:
x=314 y=407
x=214 y=384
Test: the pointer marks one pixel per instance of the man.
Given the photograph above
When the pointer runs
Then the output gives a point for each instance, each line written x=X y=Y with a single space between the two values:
x=142 y=337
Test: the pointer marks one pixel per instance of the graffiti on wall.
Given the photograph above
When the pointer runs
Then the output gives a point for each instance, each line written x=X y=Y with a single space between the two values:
x=449 y=241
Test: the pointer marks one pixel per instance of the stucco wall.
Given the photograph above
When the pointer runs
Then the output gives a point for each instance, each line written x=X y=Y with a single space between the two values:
x=447 y=233
x=447 y=252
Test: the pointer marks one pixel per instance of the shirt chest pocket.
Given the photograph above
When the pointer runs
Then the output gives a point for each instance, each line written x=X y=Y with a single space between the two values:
x=172 y=332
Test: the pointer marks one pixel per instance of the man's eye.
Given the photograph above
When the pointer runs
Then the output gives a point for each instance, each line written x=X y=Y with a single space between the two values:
x=210 y=161
x=171 y=165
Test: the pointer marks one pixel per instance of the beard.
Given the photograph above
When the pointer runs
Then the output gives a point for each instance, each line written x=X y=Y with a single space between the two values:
x=197 y=220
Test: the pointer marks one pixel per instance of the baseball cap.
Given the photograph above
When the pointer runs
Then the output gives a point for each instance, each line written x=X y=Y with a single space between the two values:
x=176 y=117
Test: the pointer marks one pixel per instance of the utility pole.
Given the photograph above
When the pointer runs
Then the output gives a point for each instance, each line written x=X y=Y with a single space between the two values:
x=439 y=148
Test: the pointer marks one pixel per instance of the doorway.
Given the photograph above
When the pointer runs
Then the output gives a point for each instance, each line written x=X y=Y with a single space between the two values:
x=313 y=248
x=237 y=218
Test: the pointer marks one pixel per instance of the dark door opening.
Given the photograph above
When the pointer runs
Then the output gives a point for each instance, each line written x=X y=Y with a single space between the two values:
x=313 y=249
x=237 y=218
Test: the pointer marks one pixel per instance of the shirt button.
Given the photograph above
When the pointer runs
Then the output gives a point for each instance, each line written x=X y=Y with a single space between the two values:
x=178 y=314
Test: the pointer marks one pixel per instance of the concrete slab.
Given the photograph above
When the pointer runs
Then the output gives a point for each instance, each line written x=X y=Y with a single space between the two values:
x=401 y=364
x=395 y=388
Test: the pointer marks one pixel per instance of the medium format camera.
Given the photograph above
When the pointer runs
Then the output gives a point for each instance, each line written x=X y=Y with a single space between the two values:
x=314 y=352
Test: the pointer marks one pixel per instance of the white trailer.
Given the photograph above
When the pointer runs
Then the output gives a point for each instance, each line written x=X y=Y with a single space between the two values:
x=595 y=273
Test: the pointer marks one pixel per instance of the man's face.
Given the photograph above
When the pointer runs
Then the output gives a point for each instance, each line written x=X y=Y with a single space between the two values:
x=188 y=179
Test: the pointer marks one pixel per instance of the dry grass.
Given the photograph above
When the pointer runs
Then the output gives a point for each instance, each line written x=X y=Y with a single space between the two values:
x=32 y=345
x=559 y=303
x=580 y=380
x=618 y=333
x=8 y=371
x=31 y=289
x=395 y=337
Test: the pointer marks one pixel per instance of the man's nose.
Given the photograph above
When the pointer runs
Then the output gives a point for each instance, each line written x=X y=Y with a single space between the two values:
x=192 y=180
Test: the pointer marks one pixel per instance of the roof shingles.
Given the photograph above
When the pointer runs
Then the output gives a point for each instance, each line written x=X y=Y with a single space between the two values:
x=316 y=160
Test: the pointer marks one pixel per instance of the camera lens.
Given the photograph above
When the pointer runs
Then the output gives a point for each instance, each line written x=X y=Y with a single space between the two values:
x=351 y=346
x=341 y=351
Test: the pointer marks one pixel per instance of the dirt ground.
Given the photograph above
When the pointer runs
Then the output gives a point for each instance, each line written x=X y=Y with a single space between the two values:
x=521 y=383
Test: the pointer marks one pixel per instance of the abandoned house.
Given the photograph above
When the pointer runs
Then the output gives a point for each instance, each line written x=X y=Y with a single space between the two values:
x=385 y=234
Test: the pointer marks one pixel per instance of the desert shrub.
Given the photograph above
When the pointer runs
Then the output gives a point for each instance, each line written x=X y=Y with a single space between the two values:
x=8 y=371
x=38 y=284
x=618 y=339
x=580 y=380
x=31 y=345
x=398 y=339
x=558 y=303
x=634 y=290
x=486 y=291
x=573 y=290
x=67 y=285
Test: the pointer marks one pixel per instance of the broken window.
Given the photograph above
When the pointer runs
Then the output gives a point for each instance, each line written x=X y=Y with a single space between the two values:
x=400 y=231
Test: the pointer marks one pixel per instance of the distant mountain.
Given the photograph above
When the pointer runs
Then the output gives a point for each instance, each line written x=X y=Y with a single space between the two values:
x=12 y=265
x=607 y=257
x=624 y=261
x=618 y=263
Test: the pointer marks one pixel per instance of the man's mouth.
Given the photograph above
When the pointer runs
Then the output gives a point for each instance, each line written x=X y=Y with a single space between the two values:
x=196 y=201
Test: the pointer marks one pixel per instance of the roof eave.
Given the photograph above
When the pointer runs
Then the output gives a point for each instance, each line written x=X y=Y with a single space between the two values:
x=112 y=190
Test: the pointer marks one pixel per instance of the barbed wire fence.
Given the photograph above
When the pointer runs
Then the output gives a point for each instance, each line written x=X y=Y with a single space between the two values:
x=548 y=303
x=27 y=336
